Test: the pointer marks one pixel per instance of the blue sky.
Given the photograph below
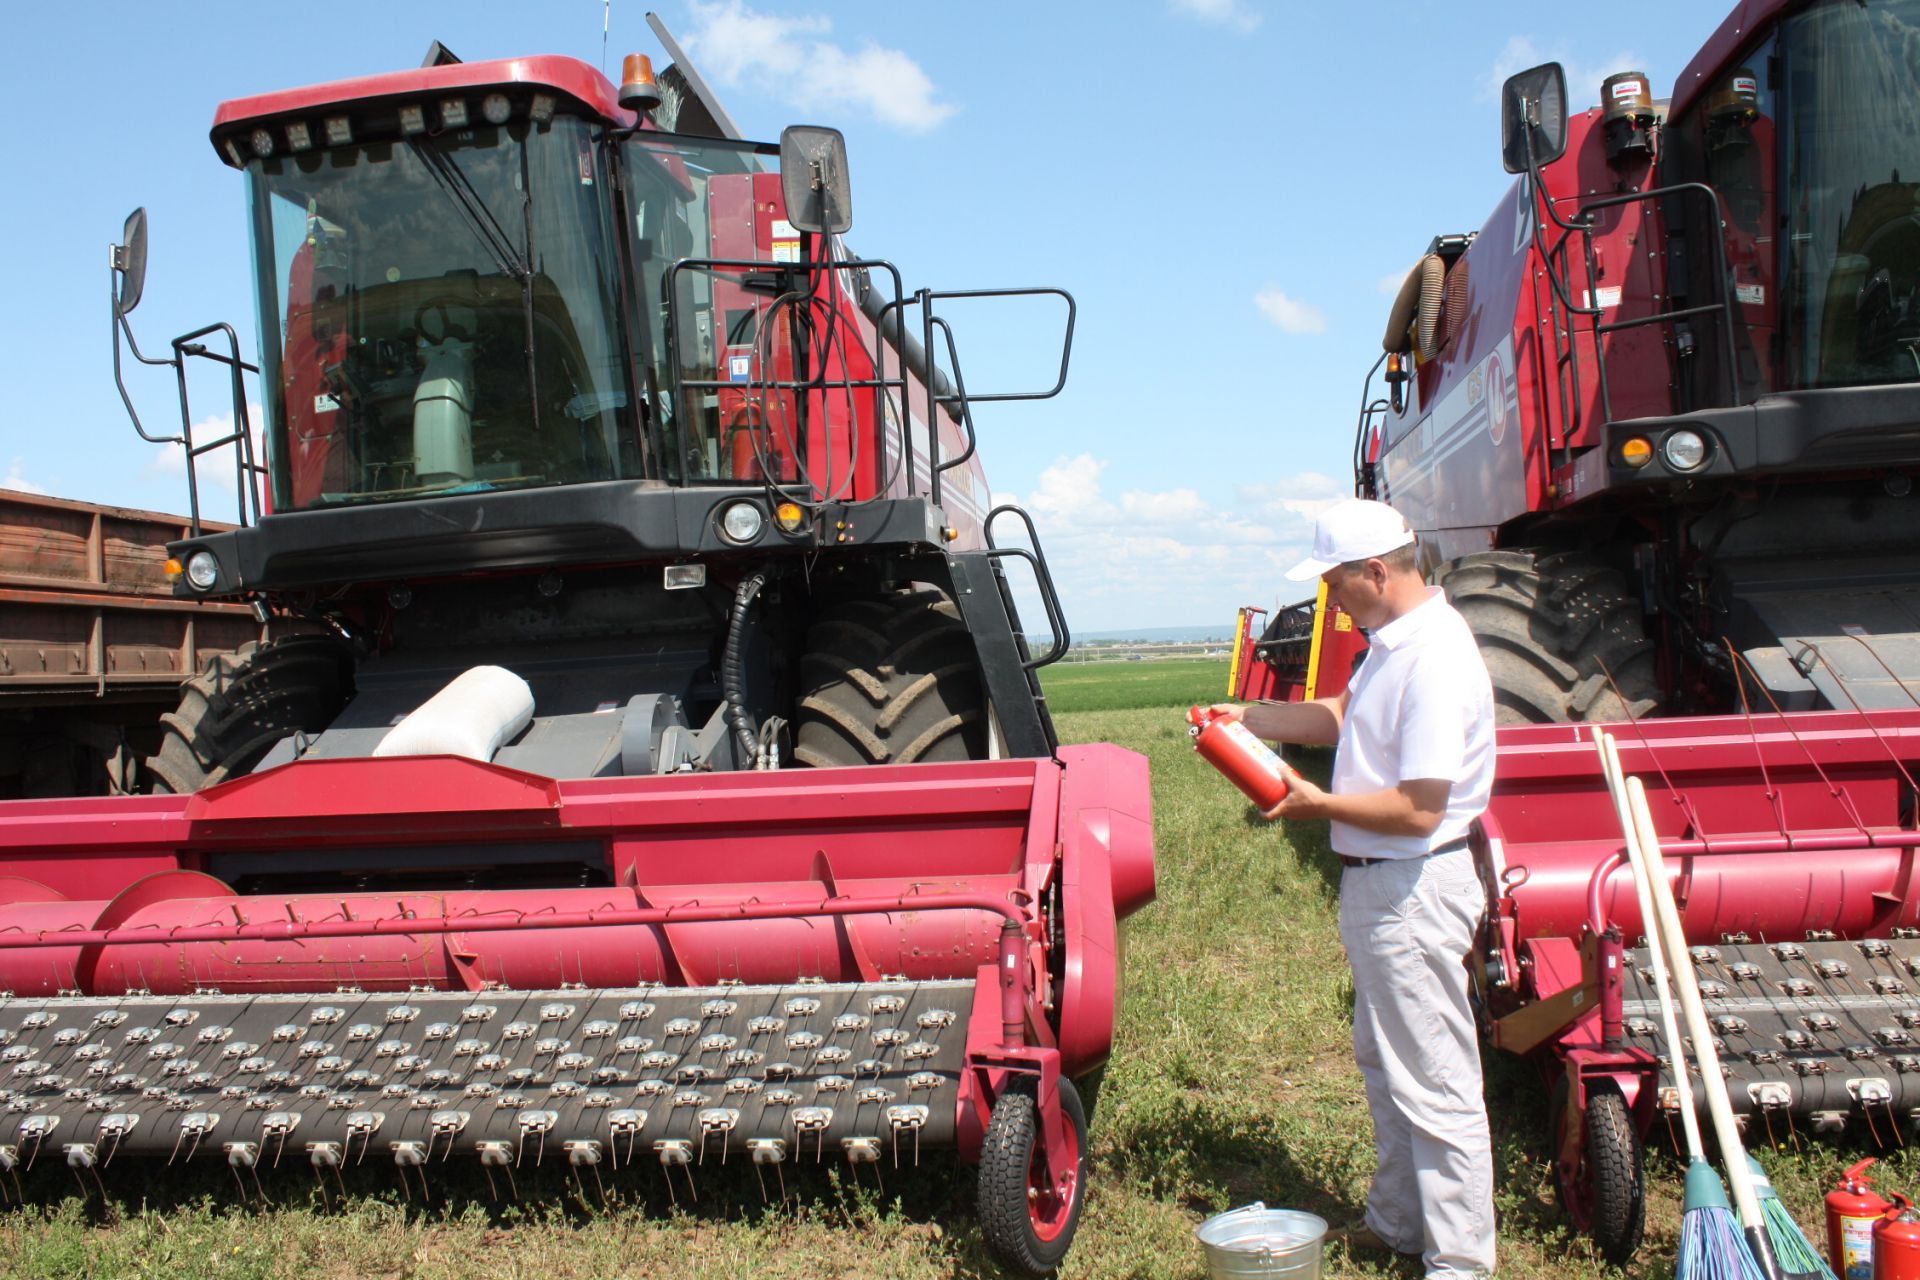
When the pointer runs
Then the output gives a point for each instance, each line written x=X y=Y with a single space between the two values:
x=1231 y=190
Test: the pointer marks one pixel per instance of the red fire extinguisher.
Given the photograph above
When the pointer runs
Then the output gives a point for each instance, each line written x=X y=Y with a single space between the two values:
x=1853 y=1208
x=1896 y=1242
x=1230 y=747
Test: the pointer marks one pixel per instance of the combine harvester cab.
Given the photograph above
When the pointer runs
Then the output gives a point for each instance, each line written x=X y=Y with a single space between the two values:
x=1654 y=423
x=644 y=767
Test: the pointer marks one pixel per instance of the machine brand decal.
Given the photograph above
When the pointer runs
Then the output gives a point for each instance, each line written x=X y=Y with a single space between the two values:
x=1626 y=90
x=1497 y=406
x=1460 y=414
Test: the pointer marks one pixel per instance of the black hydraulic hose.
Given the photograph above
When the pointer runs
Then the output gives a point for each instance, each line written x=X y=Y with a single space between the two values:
x=732 y=678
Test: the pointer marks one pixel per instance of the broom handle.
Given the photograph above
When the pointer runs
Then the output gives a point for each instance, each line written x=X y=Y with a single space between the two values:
x=1732 y=1152
x=1636 y=858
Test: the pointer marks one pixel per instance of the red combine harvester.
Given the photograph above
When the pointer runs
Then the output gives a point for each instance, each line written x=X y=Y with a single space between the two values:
x=1657 y=425
x=645 y=767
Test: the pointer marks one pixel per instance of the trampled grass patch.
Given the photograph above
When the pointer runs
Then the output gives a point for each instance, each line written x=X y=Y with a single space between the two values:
x=1232 y=1081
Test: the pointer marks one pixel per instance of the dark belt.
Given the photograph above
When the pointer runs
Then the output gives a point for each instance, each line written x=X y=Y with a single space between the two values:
x=1347 y=860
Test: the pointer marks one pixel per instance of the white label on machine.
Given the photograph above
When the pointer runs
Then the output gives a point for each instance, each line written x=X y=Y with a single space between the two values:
x=325 y=403
x=1607 y=295
x=739 y=368
x=786 y=241
x=1756 y=294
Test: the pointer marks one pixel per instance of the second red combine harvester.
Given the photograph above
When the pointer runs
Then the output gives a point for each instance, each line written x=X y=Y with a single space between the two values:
x=645 y=767
x=1657 y=425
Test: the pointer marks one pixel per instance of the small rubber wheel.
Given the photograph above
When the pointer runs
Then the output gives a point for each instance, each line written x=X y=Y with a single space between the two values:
x=1029 y=1210
x=1605 y=1194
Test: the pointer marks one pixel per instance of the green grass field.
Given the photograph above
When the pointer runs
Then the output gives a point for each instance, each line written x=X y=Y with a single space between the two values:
x=1231 y=1081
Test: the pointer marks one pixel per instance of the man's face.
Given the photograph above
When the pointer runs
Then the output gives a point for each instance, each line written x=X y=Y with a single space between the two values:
x=1360 y=589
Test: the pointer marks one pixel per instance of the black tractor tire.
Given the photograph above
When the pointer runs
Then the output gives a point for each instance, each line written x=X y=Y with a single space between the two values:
x=1564 y=638
x=1606 y=1195
x=234 y=711
x=1027 y=1228
x=894 y=680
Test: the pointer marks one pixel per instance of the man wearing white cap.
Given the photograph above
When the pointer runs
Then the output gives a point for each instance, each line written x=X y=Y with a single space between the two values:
x=1413 y=767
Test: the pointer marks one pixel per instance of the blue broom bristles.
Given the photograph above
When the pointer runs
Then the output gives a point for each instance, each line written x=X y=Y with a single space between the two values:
x=1711 y=1244
x=1797 y=1257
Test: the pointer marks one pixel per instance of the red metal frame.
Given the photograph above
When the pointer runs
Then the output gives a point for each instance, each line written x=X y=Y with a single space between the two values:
x=1808 y=812
x=562 y=75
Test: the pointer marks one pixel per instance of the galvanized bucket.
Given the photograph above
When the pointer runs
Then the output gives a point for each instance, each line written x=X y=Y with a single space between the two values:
x=1258 y=1241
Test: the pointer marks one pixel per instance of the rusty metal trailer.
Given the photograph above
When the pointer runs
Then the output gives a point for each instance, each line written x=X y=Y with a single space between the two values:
x=93 y=642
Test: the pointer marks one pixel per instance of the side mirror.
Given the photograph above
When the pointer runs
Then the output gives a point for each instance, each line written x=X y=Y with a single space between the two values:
x=1533 y=102
x=130 y=262
x=813 y=177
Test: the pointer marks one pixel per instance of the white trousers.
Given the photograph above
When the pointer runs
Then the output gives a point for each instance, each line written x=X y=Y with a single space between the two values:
x=1407 y=927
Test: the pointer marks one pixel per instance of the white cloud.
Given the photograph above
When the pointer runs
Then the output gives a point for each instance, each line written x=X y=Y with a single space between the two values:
x=785 y=58
x=1300 y=497
x=216 y=466
x=1389 y=284
x=1290 y=314
x=1583 y=75
x=1169 y=556
x=1226 y=13
x=16 y=481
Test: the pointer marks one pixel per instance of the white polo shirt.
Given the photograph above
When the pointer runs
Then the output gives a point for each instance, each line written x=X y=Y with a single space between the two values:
x=1421 y=706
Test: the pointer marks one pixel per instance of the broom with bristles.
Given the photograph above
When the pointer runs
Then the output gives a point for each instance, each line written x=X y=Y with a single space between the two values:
x=1796 y=1253
x=1710 y=1243
x=1686 y=986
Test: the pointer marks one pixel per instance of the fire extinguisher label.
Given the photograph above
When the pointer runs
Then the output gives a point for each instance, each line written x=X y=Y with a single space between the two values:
x=1255 y=748
x=1856 y=1248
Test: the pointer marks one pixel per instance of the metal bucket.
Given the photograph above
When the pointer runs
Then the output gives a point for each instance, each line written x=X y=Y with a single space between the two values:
x=1258 y=1241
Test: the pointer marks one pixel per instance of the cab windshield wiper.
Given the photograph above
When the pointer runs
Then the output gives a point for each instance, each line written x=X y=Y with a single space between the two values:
x=459 y=189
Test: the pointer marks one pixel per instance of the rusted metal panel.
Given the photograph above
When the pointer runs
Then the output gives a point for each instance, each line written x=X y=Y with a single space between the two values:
x=85 y=605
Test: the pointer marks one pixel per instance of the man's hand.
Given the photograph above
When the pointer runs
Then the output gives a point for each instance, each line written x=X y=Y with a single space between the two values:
x=1226 y=712
x=1304 y=799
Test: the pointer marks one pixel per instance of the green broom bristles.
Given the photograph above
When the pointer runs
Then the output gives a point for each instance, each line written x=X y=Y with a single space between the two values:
x=1711 y=1244
x=1795 y=1253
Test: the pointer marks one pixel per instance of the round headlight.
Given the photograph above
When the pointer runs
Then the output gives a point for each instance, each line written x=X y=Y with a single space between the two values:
x=1684 y=450
x=203 y=570
x=742 y=522
x=1636 y=452
x=262 y=143
x=496 y=108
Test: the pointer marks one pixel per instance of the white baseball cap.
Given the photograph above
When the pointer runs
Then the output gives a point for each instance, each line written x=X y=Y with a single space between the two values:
x=1352 y=529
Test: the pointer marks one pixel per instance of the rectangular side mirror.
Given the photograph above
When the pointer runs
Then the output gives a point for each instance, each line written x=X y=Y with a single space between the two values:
x=1533 y=102
x=813 y=178
x=130 y=262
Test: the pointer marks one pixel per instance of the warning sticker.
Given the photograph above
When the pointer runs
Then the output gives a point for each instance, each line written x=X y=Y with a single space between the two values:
x=739 y=368
x=1754 y=294
x=786 y=241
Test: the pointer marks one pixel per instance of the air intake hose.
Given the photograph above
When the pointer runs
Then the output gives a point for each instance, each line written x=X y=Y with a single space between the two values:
x=733 y=677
